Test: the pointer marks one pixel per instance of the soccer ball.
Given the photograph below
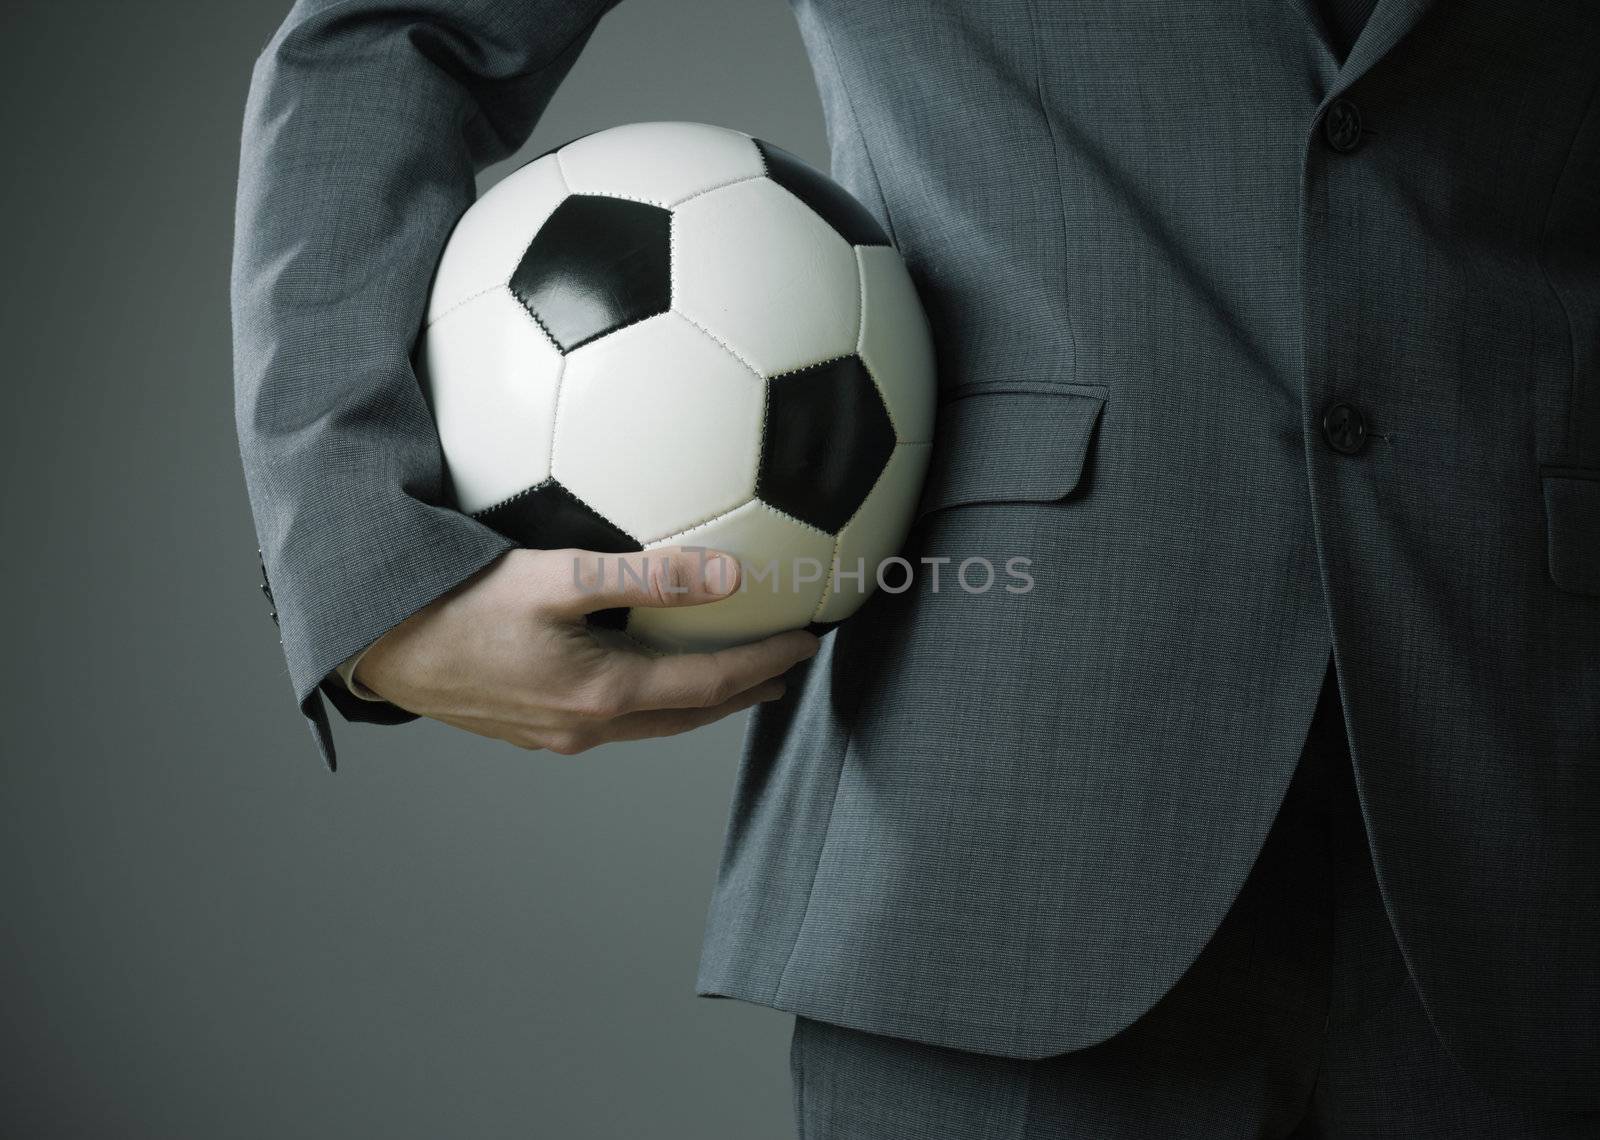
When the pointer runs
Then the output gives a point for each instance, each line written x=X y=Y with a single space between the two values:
x=672 y=334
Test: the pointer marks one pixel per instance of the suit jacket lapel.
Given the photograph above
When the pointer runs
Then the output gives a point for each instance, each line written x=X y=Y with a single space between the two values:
x=1389 y=23
x=1328 y=57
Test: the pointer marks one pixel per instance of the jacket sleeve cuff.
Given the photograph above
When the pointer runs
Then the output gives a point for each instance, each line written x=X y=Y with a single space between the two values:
x=348 y=631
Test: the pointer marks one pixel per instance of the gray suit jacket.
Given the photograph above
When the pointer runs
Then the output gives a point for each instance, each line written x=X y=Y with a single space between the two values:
x=1158 y=242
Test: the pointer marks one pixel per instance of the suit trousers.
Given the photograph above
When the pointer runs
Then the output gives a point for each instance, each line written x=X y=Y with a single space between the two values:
x=1298 y=1019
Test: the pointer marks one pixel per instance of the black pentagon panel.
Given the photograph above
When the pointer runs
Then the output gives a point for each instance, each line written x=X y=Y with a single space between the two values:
x=595 y=265
x=548 y=516
x=828 y=437
x=616 y=618
x=830 y=201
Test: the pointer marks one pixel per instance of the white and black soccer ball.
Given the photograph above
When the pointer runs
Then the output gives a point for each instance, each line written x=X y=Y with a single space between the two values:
x=672 y=334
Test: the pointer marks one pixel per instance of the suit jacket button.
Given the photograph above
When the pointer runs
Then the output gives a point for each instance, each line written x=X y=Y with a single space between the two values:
x=266 y=589
x=1341 y=126
x=1345 y=428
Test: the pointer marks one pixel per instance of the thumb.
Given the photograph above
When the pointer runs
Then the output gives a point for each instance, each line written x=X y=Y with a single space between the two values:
x=670 y=576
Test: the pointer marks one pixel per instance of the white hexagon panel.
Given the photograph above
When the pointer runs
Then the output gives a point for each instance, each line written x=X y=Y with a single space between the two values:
x=896 y=344
x=492 y=236
x=660 y=163
x=658 y=428
x=766 y=275
x=785 y=567
x=492 y=378
x=876 y=532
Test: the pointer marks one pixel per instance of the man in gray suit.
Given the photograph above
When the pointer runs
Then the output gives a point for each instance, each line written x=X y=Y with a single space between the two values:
x=1270 y=333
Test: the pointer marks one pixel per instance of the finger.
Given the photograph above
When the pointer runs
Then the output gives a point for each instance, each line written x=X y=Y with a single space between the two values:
x=671 y=722
x=704 y=680
x=670 y=576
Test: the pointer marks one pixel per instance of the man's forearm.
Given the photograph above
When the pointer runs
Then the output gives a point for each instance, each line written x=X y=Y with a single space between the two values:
x=364 y=129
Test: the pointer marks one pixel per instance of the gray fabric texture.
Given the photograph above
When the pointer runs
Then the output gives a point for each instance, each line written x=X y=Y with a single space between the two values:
x=1342 y=21
x=1297 y=1020
x=1005 y=822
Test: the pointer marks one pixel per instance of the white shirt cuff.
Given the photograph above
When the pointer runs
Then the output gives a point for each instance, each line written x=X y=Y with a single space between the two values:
x=347 y=674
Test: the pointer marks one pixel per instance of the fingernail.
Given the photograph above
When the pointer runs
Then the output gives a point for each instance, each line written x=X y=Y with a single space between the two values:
x=719 y=574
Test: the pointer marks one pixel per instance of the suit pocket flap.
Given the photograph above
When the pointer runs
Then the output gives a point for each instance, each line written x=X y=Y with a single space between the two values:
x=1572 y=519
x=1011 y=443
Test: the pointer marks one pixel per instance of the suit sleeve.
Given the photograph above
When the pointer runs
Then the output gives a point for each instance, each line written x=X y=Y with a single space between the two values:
x=365 y=126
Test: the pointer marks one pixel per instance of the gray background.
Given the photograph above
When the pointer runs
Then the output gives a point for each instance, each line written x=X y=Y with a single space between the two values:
x=205 y=933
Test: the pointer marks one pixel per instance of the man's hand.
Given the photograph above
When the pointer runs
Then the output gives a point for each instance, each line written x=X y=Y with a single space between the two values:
x=507 y=653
